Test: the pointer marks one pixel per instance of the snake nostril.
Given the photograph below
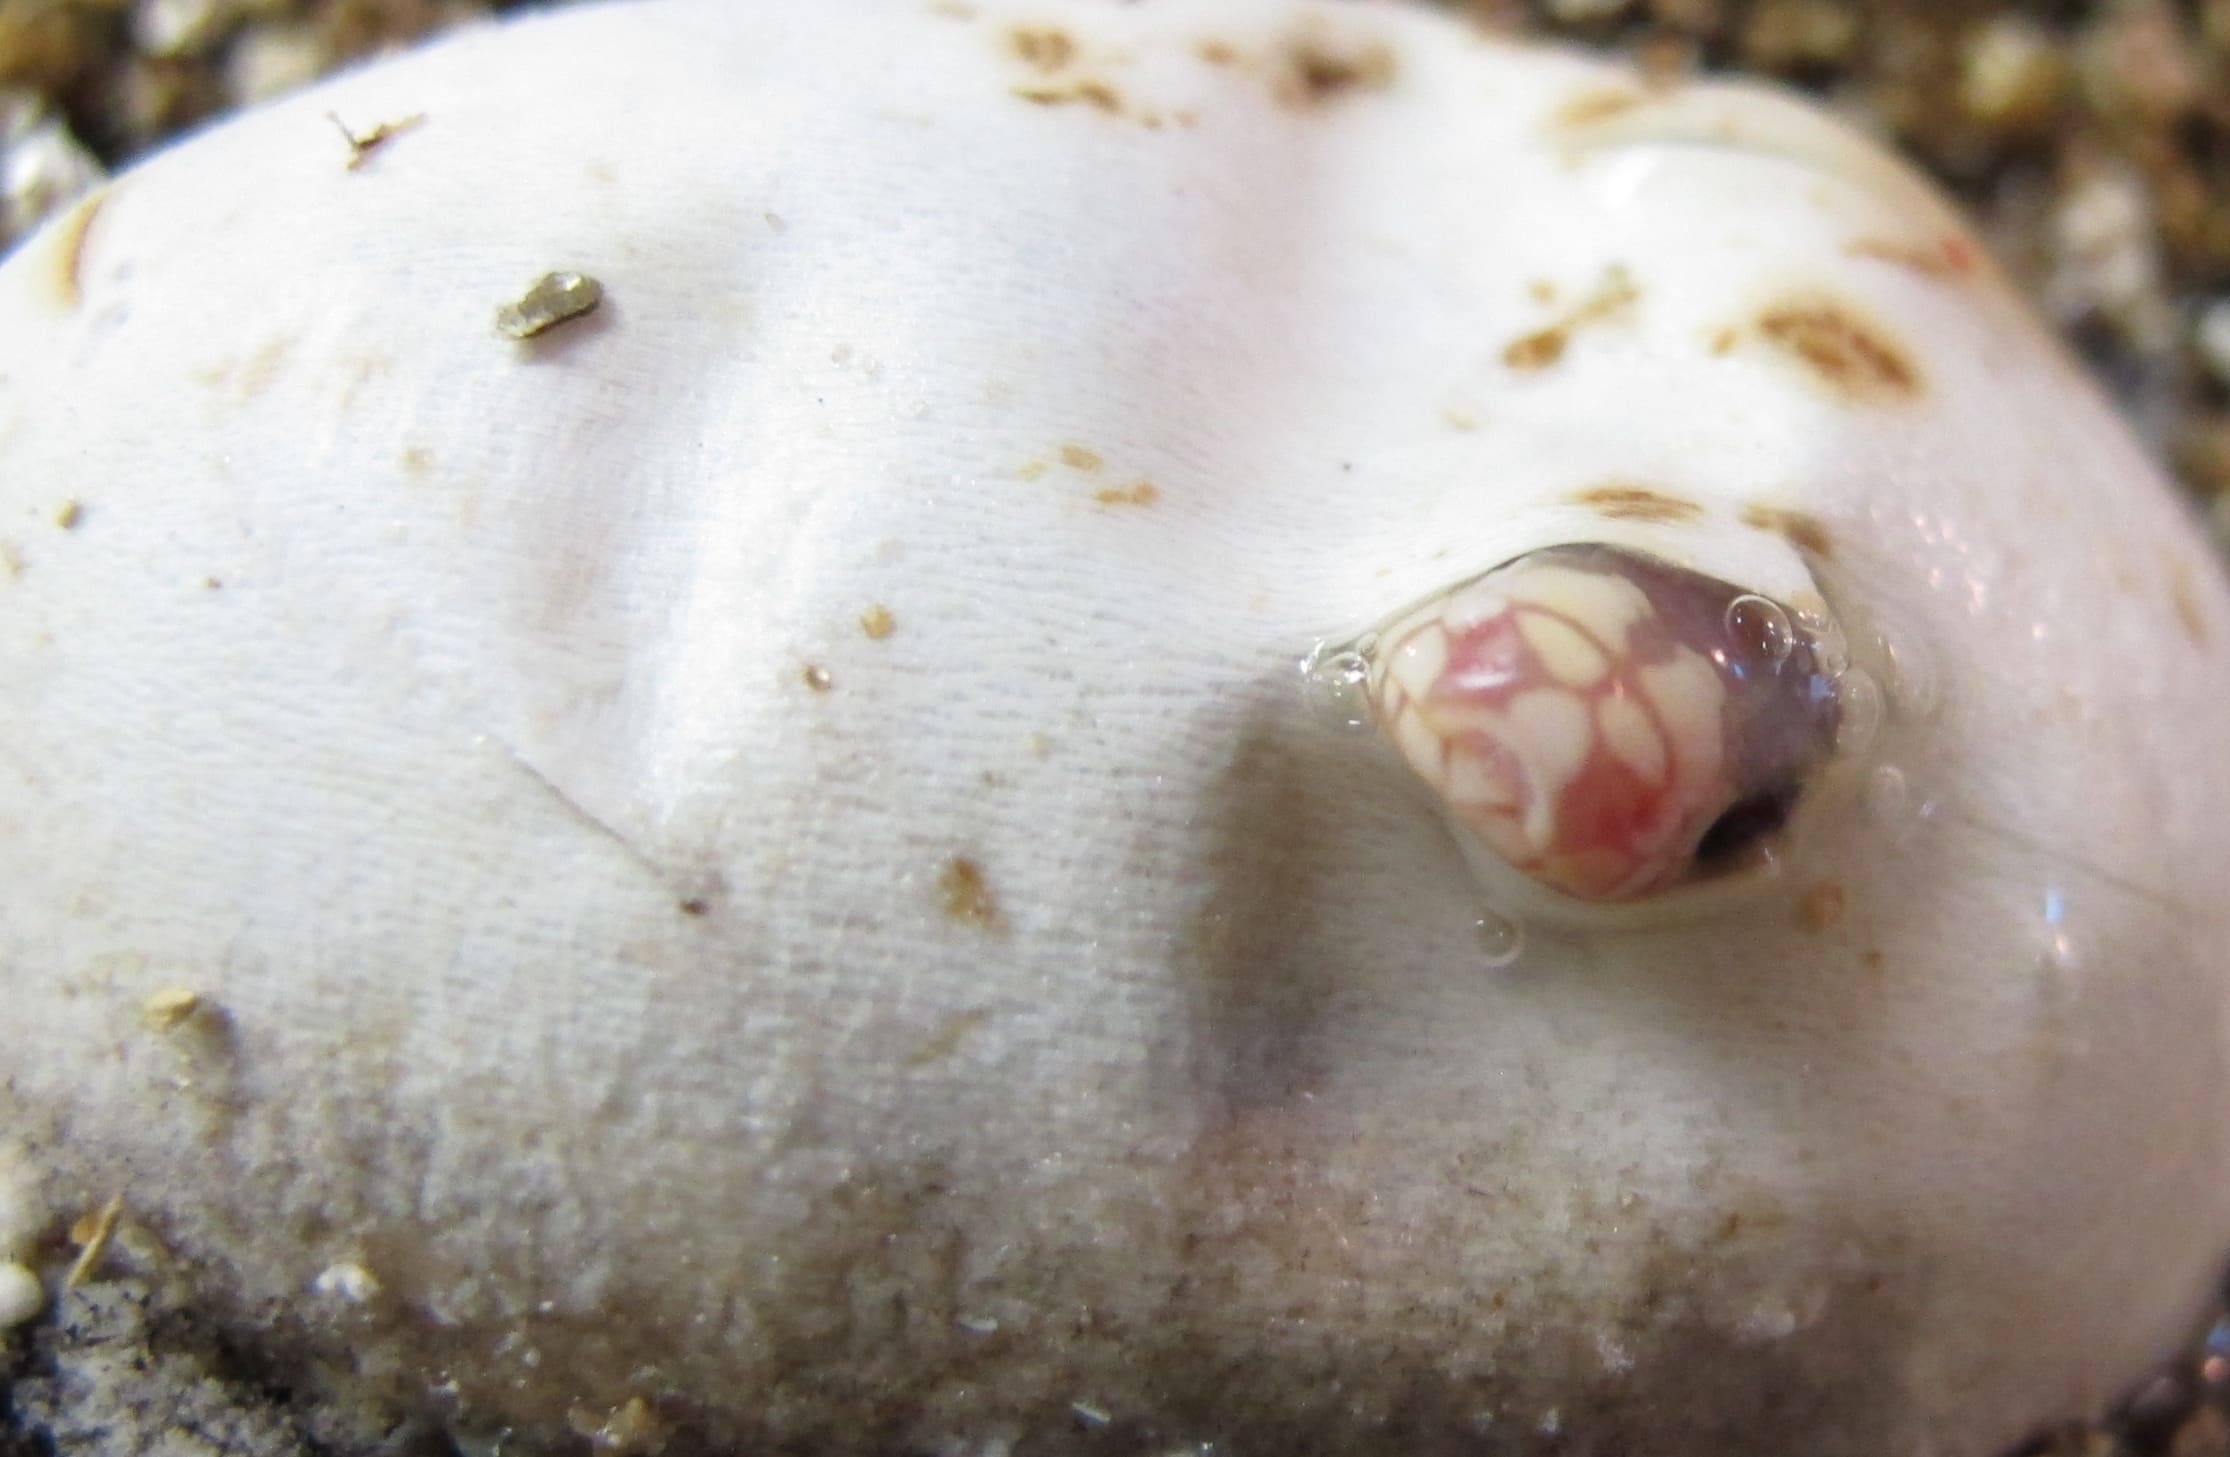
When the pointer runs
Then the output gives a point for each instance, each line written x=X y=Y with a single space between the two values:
x=1743 y=828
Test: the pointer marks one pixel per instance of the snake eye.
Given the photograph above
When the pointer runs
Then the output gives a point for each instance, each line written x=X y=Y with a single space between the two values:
x=1608 y=724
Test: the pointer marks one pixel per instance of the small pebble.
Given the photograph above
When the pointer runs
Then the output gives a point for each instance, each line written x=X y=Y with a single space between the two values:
x=43 y=169
x=347 y=1281
x=2212 y=335
x=21 y=1295
x=2012 y=77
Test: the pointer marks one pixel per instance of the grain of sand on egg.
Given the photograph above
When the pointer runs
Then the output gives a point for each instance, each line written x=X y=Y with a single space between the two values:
x=2092 y=140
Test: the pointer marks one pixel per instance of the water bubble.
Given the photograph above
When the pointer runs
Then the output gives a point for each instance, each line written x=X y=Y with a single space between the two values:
x=1500 y=938
x=1338 y=679
x=1823 y=636
x=1863 y=707
x=1760 y=628
x=2059 y=956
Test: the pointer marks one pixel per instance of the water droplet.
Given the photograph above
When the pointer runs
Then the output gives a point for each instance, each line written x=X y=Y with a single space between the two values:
x=1830 y=649
x=1889 y=796
x=1760 y=628
x=1500 y=937
x=1863 y=707
x=1338 y=679
x=1771 y=1319
x=1912 y=681
x=2059 y=956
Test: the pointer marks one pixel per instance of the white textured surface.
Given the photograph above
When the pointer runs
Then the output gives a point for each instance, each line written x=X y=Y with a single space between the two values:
x=395 y=686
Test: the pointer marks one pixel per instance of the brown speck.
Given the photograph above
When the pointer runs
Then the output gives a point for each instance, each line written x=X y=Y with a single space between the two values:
x=633 y=1429
x=1031 y=470
x=1872 y=959
x=1841 y=349
x=1145 y=493
x=361 y=145
x=1544 y=347
x=2183 y=595
x=69 y=248
x=1542 y=291
x=1596 y=104
x=1537 y=350
x=69 y=515
x=1217 y=52
x=1096 y=94
x=1078 y=457
x=1822 y=905
x=967 y=894
x=417 y=462
x=91 y=1233
x=1802 y=530
x=1948 y=256
x=12 y=564
x=1637 y=503
x=817 y=678
x=694 y=905
x=262 y=368
x=1724 y=341
x=1317 y=72
x=950 y=1033
x=1043 y=48
x=877 y=622
x=549 y=301
x=170 y=1007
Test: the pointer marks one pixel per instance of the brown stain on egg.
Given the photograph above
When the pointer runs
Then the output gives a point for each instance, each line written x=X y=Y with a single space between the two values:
x=1801 y=529
x=1217 y=52
x=1822 y=905
x=1042 y=48
x=2183 y=596
x=1097 y=95
x=69 y=247
x=1317 y=71
x=1537 y=350
x=817 y=678
x=1594 y=105
x=1145 y=493
x=1545 y=346
x=1623 y=502
x=249 y=377
x=1080 y=457
x=418 y=462
x=966 y=894
x=946 y=1039
x=1841 y=349
x=877 y=622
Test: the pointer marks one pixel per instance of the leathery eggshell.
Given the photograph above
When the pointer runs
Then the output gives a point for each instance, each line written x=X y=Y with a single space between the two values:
x=759 y=858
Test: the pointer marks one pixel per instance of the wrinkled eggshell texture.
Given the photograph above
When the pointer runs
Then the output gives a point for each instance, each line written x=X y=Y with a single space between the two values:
x=761 y=855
